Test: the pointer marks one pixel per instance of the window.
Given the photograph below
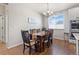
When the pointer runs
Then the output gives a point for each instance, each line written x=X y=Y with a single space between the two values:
x=56 y=22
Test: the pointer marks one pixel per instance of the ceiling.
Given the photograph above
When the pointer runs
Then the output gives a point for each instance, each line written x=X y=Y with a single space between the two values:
x=41 y=7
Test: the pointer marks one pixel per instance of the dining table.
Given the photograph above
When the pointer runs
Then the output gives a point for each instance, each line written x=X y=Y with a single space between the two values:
x=41 y=36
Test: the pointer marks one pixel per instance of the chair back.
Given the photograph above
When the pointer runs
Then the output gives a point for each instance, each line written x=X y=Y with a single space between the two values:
x=38 y=30
x=30 y=35
x=51 y=33
x=32 y=30
x=43 y=29
x=25 y=37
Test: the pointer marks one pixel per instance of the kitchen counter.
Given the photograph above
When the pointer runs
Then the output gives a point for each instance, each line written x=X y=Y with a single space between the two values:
x=76 y=35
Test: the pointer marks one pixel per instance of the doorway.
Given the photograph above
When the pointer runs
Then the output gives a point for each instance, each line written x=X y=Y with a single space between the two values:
x=2 y=33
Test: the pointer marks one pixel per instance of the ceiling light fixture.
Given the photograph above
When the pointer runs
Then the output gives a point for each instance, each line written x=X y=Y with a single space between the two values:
x=48 y=11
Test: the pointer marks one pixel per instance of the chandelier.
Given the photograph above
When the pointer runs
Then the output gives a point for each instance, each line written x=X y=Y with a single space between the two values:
x=48 y=11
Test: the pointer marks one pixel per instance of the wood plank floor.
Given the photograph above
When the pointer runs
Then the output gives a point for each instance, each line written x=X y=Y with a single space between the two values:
x=58 y=47
x=2 y=46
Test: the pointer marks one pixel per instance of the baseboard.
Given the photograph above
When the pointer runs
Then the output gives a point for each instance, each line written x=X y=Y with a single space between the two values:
x=14 y=45
x=22 y=43
x=59 y=38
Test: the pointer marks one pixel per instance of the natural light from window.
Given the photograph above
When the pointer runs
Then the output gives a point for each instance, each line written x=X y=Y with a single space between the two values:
x=56 y=22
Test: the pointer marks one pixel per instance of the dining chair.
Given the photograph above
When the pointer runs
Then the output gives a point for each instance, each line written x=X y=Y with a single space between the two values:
x=38 y=30
x=43 y=29
x=48 y=37
x=27 y=42
x=46 y=41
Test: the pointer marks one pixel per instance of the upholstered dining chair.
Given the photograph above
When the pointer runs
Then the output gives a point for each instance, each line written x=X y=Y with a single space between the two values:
x=43 y=29
x=46 y=41
x=27 y=42
x=38 y=30
x=48 y=37
x=51 y=35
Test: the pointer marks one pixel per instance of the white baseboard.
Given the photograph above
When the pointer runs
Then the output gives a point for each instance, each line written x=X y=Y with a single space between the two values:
x=14 y=45
x=59 y=38
x=22 y=43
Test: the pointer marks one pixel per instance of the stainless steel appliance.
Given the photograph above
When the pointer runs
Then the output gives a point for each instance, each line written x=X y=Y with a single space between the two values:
x=74 y=28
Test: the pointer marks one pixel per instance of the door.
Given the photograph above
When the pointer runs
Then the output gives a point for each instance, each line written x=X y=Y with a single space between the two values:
x=2 y=39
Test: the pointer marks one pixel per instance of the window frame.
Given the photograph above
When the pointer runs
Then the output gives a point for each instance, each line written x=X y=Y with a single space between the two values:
x=57 y=25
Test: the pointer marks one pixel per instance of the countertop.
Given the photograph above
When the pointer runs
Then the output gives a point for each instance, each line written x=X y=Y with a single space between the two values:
x=76 y=35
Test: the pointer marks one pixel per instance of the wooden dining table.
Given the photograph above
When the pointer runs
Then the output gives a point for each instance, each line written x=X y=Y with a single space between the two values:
x=41 y=36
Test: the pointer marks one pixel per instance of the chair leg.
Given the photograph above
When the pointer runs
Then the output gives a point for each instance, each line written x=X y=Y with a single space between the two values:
x=40 y=47
x=30 y=50
x=35 y=48
x=43 y=46
x=48 y=44
x=24 y=49
x=51 y=41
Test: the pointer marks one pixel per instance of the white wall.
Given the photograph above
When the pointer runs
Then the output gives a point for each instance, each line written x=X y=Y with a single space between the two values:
x=66 y=21
x=74 y=13
x=58 y=34
x=18 y=15
x=45 y=21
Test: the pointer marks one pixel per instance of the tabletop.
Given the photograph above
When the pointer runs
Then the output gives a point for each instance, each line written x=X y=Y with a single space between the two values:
x=42 y=33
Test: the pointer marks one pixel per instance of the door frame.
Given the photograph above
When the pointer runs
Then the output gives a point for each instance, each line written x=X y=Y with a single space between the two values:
x=7 y=26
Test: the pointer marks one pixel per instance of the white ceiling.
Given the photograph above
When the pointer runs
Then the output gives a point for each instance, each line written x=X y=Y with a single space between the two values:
x=41 y=7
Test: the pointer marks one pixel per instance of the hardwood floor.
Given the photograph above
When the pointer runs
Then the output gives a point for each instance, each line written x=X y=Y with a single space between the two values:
x=58 y=47
x=2 y=46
